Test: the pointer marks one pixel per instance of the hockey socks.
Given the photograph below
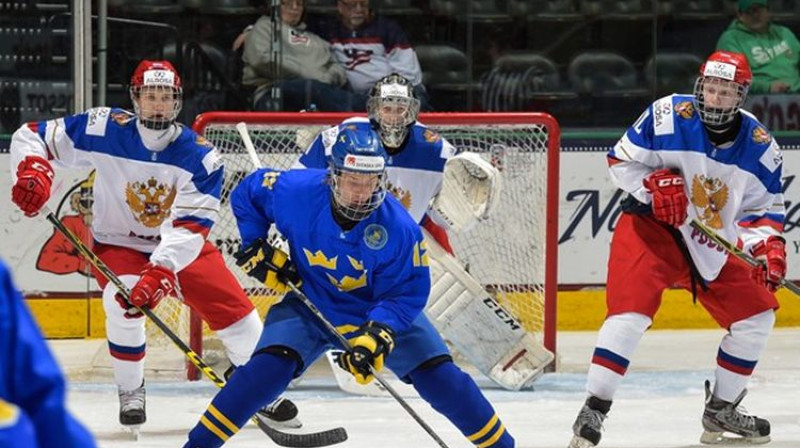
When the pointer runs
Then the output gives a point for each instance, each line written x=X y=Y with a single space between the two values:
x=254 y=385
x=618 y=338
x=455 y=395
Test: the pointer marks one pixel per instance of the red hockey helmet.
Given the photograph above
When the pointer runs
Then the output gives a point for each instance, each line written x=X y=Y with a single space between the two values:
x=157 y=93
x=722 y=87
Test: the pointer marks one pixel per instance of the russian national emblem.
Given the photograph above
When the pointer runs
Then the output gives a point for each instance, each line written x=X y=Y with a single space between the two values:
x=761 y=136
x=685 y=109
x=709 y=196
x=431 y=136
x=150 y=201
x=401 y=194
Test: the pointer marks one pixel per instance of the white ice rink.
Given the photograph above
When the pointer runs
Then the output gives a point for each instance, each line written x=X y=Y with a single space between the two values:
x=658 y=405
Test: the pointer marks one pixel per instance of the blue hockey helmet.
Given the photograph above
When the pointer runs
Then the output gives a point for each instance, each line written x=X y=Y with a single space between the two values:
x=358 y=172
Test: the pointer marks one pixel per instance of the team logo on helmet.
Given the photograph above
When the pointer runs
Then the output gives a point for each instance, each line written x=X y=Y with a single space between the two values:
x=150 y=201
x=432 y=136
x=761 y=136
x=375 y=236
x=709 y=196
x=685 y=109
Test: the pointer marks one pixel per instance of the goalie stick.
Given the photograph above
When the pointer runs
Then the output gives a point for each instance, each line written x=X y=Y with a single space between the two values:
x=738 y=253
x=319 y=439
x=251 y=150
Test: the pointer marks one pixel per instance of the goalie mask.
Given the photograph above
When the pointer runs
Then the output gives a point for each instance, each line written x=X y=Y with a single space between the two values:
x=157 y=94
x=392 y=109
x=722 y=88
x=358 y=173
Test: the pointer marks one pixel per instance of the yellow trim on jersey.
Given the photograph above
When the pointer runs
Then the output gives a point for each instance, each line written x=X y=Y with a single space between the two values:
x=213 y=428
x=485 y=430
x=491 y=441
x=224 y=420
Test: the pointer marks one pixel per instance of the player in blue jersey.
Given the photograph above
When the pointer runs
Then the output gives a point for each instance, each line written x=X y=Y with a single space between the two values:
x=157 y=194
x=362 y=261
x=697 y=157
x=32 y=409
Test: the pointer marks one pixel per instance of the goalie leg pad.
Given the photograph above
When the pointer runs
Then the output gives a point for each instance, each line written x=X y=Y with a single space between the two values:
x=482 y=330
x=456 y=396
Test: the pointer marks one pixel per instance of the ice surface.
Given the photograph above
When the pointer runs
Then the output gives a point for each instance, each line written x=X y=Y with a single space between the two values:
x=658 y=405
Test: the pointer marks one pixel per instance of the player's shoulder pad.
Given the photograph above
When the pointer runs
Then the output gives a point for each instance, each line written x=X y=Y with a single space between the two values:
x=760 y=140
x=195 y=147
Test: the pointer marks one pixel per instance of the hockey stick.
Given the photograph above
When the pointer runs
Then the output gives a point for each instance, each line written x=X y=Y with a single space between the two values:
x=311 y=440
x=738 y=253
x=248 y=144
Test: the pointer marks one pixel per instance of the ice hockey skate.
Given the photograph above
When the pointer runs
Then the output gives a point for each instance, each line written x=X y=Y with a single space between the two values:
x=132 y=414
x=282 y=413
x=589 y=423
x=721 y=417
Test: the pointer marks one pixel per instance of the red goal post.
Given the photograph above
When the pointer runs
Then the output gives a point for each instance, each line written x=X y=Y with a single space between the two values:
x=513 y=253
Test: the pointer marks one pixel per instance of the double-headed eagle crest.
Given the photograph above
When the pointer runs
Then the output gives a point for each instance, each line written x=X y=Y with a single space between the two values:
x=709 y=196
x=150 y=201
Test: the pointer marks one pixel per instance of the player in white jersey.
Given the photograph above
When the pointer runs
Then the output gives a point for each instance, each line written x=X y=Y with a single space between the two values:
x=694 y=157
x=157 y=194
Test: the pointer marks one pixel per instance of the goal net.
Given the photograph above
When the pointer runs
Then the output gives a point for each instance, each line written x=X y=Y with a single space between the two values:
x=512 y=253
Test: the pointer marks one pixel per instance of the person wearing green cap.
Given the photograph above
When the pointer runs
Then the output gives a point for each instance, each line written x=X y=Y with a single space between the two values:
x=773 y=51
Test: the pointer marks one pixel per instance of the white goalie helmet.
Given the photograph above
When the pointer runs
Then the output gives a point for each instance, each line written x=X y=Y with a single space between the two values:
x=157 y=94
x=392 y=109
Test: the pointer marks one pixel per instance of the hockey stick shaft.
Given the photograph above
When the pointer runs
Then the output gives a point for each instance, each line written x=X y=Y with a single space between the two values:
x=324 y=438
x=345 y=344
x=738 y=253
x=248 y=144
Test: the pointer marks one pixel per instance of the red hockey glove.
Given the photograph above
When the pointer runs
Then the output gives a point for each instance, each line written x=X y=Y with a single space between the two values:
x=669 y=197
x=156 y=282
x=773 y=254
x=32 y=190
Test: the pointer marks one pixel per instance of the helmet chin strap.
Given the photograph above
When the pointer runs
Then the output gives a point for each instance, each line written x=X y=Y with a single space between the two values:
x=156 y=139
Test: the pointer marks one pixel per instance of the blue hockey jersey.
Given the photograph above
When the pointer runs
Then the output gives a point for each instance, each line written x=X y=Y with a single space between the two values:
x=160 y=202
x=415 y=174
x=32 y=409
x=378 y=270
x=734 y=189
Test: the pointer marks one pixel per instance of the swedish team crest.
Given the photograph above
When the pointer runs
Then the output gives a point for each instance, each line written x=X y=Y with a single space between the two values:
x=375 y=236
x=431 y=136
x=150 y=201
x=709 y=196
x=761 y=136
x=685 y=109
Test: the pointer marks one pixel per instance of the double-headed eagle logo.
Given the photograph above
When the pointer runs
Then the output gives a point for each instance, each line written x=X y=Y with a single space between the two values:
x=150 y=201
x=709 y=196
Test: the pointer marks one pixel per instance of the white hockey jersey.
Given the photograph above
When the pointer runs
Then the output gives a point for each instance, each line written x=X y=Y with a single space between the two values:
x=735 y=190
x=414 y=174
x=158 y=202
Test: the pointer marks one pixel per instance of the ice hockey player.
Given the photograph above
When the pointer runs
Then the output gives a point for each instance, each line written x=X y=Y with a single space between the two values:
x=362 y=261
x=441 y=191
x=694 y=157
x=32 y=408
x=156 y=196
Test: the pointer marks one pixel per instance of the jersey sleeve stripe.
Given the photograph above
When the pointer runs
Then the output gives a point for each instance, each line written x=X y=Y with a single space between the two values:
x=194 y=225
x=770 y=220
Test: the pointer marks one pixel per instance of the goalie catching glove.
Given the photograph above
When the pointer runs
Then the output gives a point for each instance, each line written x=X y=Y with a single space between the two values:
x=269 y=265
x=373 y=343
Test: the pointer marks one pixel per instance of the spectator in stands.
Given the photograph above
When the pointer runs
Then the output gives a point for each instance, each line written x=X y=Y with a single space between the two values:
x=371 y=47
x=307 y=75
x=773 y=51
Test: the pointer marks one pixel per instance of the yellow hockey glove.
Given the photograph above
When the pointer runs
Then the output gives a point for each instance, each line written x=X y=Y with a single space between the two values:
x=369 y=348
x=269 y=265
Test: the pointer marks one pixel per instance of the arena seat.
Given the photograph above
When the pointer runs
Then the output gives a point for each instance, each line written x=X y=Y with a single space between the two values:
x=672 y=72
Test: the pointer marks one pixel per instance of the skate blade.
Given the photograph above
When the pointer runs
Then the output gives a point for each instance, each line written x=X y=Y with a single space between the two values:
x=580 y=442
x=133 y=430
x=719 y=438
